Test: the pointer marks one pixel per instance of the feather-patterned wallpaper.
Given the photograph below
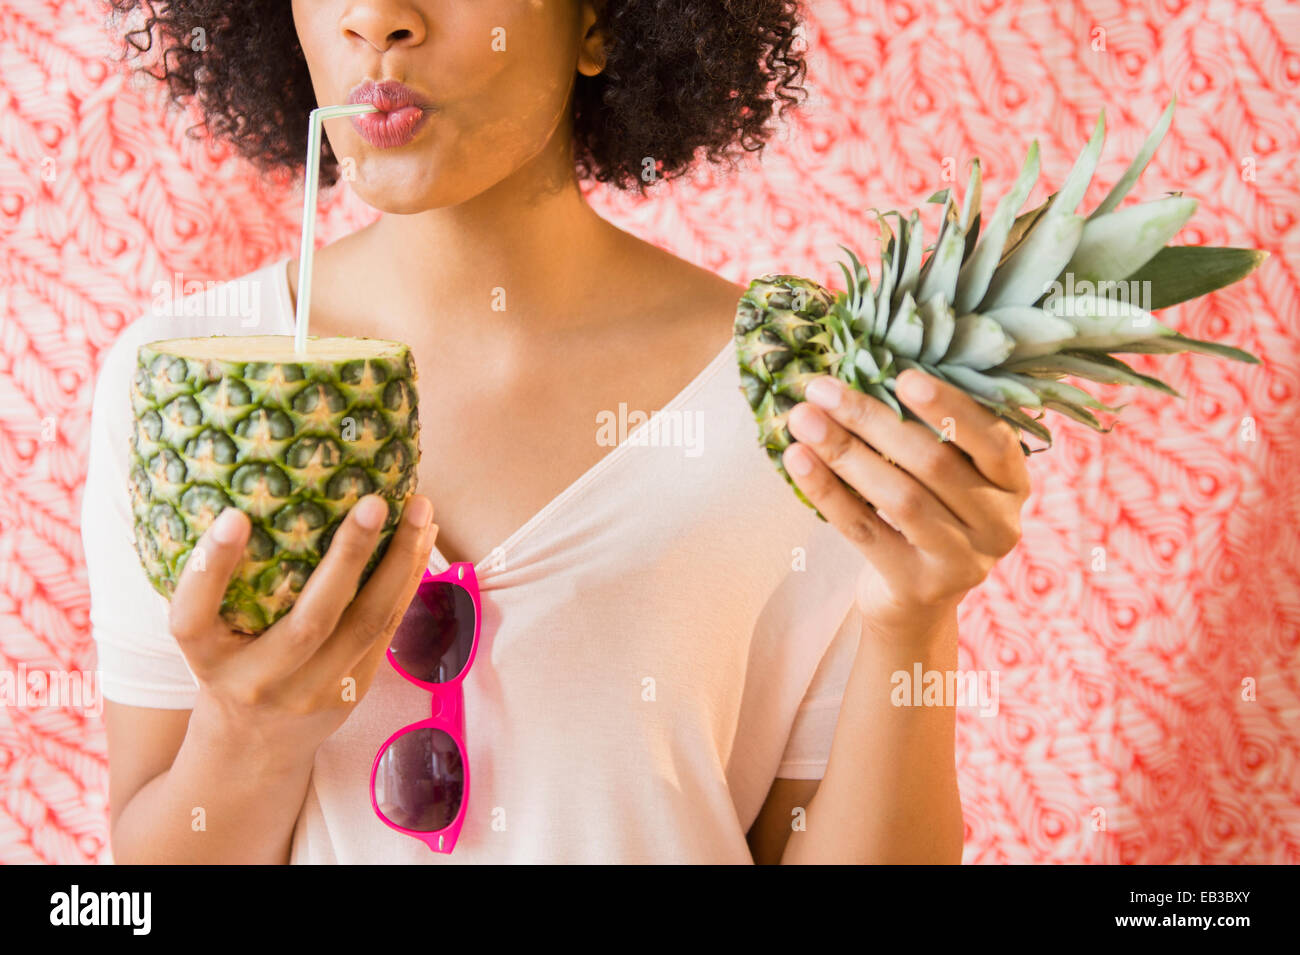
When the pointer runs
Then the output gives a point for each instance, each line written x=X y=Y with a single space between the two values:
x=1145 y=631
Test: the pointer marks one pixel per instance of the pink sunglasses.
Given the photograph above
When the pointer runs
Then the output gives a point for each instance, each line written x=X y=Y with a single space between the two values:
x=419 y=784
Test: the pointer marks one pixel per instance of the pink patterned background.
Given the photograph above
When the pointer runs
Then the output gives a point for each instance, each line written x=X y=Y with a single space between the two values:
x=1122 y=734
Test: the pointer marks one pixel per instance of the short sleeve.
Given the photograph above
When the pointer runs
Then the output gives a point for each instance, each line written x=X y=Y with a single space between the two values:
x=808 y=748
x=140 y=663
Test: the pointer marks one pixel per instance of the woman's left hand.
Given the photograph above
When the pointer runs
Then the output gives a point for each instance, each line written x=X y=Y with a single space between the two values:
x=955 y=515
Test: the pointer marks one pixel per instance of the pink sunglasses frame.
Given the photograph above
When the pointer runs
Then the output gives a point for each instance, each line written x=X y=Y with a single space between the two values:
x=446 y=713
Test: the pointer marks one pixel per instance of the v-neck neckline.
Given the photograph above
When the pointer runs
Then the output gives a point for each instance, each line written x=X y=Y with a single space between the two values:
x=484 y=565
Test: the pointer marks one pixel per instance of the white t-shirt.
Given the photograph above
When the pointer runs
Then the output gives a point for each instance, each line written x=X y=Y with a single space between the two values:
x=660 y=642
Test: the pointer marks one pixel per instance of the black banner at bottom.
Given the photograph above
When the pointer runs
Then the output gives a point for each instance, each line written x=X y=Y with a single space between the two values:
x=208 y=904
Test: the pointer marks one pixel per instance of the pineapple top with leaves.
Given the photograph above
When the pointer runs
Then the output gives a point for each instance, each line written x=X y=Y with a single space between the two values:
x=1004 y=315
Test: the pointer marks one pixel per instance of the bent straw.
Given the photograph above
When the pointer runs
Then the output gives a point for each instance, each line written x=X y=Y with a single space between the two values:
x=309 y=214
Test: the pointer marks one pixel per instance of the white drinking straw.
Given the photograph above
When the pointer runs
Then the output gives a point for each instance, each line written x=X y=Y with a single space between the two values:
x=309 y=214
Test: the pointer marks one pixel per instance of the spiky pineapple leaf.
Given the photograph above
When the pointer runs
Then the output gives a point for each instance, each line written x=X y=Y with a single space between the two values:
x=1080 y=175
x=850 y=284
x=939 y=275
x=1176 y=343
x=1094 y=366
x=883 y=394
x=1031 y=269
x=1179 y=273
x=1139 y=163
x=978 y=342
x=1060 y=391
x=1082 y=415
x=1119 y=243
x=1036 y=331
x=1020 y=228
x=910 y=267
x=973 y=280
x=865 y=363
x=1033 y=425
x=972 y=235
x=1000 y=388
x=884 y=291
x=939 y=323
x=970 y=205
x=906 y=331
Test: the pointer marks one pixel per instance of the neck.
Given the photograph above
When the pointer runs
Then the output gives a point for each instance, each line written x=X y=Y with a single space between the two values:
x=532 y=235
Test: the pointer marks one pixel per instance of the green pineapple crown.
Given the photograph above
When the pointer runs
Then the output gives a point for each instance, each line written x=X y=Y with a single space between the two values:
x=1003 y=315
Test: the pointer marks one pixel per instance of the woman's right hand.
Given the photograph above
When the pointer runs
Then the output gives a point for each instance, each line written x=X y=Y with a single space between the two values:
x=287 y=689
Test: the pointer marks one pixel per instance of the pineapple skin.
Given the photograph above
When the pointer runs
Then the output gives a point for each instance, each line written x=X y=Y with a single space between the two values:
x=779 y=349
x=293 y=444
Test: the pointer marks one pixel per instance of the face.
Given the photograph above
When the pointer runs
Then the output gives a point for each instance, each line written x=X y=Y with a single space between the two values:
x=470 y=92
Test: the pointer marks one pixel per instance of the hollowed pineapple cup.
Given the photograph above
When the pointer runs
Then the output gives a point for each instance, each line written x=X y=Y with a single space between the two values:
x=293 y=441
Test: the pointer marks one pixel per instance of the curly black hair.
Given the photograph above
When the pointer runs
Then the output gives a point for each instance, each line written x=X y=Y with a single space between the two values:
x=681 y=77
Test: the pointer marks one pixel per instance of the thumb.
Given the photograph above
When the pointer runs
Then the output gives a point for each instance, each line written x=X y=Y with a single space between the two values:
x=196 y=603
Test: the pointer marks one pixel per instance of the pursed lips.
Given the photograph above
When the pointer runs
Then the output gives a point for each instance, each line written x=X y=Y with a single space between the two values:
x=400 y=112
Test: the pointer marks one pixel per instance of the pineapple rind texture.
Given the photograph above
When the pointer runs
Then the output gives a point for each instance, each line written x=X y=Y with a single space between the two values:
x=292 y=443
x=1004 y=315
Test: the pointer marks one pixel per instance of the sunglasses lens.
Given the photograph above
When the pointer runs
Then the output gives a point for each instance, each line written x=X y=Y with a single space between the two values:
x=420 y=781
x=433 y=641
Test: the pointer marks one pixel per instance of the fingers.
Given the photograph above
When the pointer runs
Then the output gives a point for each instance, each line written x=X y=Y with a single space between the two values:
x=360 y=640
x=194 y=617
x=855 y=520
x=992 y=442
x=936 y=464
x=914 y=510
x=297 y=635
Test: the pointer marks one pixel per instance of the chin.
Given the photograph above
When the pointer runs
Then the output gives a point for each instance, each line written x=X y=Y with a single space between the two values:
x=399 y=205
x=401 y=194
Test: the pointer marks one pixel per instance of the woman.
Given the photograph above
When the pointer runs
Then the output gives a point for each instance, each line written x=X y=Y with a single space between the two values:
x=679 y=662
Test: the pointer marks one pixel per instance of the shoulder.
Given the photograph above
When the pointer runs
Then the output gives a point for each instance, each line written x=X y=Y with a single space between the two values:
x=680 y=292
x=684 y=310
x=701 y=298
x=256 y=303
x=253 y=303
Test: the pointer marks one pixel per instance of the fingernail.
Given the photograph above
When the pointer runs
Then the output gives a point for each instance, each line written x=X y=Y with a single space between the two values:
x=807 y=423
x=370 y=512
x=916 y=386
x=418 y=512
x=797 y=461
x=227 y=528
x=823 y=391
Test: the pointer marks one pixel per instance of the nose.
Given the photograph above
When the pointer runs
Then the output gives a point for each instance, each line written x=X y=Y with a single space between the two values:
x=383 y=25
